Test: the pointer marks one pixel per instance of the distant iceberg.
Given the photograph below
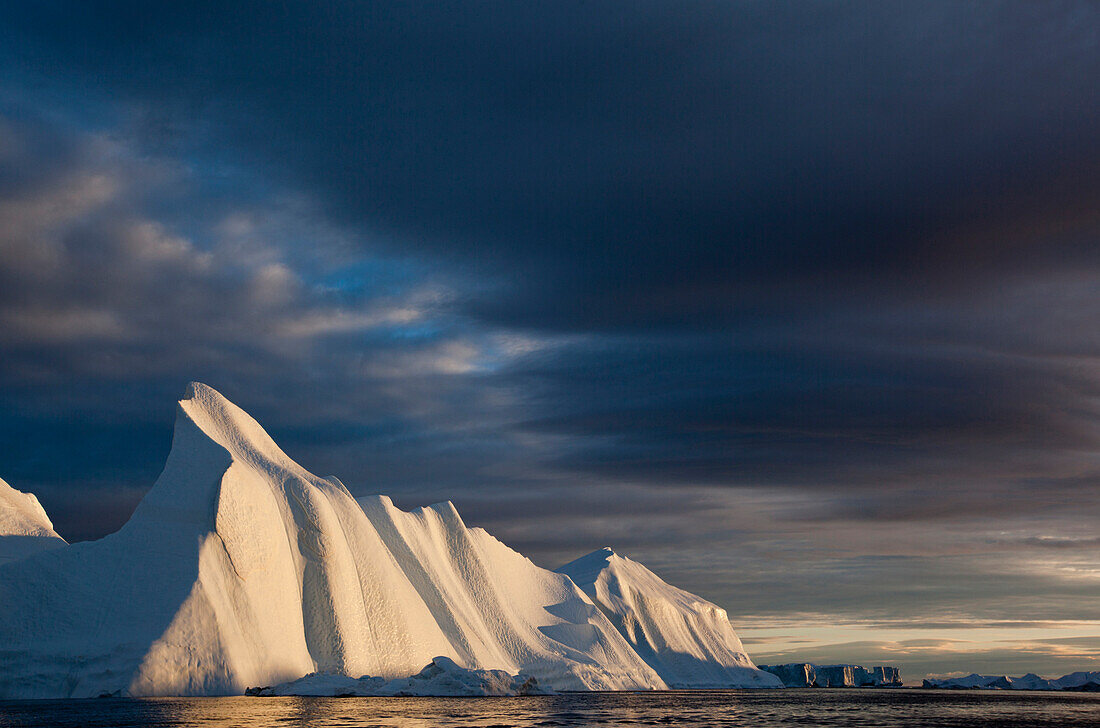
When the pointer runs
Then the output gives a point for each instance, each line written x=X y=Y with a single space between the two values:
x=1075 y=681
x=808 y=675
x=241 y=569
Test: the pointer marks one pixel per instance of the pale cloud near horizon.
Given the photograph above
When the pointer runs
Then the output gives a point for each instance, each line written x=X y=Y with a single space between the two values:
x=939 y=657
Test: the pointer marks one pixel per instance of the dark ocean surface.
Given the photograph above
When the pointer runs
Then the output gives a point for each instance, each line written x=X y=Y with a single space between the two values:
x=858 y=707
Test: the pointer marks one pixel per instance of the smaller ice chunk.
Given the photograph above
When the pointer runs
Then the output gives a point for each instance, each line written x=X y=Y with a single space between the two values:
x=441 y=677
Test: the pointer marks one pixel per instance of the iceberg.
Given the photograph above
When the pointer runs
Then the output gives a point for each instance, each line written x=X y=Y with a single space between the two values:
x=240 y=568
x=795 y=674
x=25 y=528
x=807 y=675
x=1075 y=681
x=1080 y=681
x=687 y=640
x=881 y=676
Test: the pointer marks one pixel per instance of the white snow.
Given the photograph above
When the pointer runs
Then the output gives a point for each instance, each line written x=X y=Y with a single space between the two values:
x=442 y=677
x=239 y=568
x=25 y=528
x=687 y=640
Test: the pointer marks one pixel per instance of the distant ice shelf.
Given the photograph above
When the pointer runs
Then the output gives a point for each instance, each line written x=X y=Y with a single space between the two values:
x=807 y=675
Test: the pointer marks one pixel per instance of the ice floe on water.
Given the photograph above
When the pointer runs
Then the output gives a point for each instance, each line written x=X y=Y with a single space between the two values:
x=442 y=677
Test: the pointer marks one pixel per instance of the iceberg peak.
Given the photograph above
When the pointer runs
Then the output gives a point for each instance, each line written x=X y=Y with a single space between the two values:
x=687 y=640
x=21 y=514
x=230 y=427
x=587 y=569
x=198 y=389
x=447 y=510
x=25 y=528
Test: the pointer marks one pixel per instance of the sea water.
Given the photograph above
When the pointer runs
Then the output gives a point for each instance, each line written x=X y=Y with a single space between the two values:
x=855 y=707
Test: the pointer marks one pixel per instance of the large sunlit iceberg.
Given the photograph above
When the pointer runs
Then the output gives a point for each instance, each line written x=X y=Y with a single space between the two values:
x=240 y=568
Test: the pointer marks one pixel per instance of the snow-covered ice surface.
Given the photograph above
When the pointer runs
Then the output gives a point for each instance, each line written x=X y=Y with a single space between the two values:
x=239 y=568
x=687 y=640
x=442 y=677
x=25 y=528
x=498 y=609
x=1089 y=681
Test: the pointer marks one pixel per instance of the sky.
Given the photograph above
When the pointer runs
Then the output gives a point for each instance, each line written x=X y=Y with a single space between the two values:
x=795 y=303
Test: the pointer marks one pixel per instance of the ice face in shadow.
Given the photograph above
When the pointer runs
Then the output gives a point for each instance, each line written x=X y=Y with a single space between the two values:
x=25 y=529
x=687 y=640
x=241 y=568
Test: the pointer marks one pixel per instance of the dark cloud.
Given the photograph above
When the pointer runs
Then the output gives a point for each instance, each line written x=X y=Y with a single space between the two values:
x=642 y=165
x=723 y=284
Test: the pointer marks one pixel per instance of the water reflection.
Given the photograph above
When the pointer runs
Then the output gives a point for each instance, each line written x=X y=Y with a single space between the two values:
x=719 y=708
